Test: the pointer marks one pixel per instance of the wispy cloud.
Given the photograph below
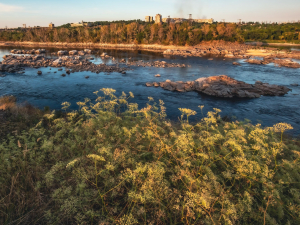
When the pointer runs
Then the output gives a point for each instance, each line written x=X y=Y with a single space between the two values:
x=10 y=8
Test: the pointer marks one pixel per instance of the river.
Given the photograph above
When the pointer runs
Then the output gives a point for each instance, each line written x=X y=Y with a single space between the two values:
x=51 y=89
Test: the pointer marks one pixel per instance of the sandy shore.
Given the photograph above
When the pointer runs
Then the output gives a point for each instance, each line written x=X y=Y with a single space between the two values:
x=155 y=47
x=233 y=50
x=258 y=52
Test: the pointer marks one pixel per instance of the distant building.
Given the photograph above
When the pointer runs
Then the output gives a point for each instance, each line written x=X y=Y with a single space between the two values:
x=149 y=19
x=51 y=25
x=80 y=24
x=158 y=18
x=180 y=20
x=204 y=20
x=174 y=20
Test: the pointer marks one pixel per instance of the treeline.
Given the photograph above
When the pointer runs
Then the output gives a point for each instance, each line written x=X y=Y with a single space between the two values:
x=139 y=32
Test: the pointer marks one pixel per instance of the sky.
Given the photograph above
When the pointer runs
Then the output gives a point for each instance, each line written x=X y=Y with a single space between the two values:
x=14 y=13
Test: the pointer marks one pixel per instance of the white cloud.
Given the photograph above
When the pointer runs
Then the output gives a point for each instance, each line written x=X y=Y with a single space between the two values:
x=10 y=8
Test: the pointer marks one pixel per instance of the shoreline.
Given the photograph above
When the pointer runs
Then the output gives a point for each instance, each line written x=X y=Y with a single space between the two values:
x=147 y=47
x=257 y=43
x=216 y=48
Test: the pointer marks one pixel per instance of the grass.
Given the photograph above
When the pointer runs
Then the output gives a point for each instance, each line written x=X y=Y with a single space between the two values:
x=112 y=163
x=15 y=118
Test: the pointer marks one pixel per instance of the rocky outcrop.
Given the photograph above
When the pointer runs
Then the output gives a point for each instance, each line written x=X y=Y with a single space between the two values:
x=161 y=64
x=13 y=63
x=279 y=62
x=227 y=50
x=286 y=63
x=223 y=86
x=32 y=51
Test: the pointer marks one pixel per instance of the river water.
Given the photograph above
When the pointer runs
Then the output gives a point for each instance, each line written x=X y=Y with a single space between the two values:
x=51 y=89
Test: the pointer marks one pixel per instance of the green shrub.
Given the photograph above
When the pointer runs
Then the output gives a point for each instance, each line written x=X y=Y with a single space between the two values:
x=112 y=163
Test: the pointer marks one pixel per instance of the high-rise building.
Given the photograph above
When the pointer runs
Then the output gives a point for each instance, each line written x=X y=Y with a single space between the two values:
x=158 y=18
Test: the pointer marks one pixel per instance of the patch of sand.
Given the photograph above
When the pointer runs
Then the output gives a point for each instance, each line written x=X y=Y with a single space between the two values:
x=258 y=52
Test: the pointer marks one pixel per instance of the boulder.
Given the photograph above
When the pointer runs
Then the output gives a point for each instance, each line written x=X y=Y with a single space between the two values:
x=149 y=84
x=73 y=52
x=88 y=51
x=168 y=52
x=2 y=67
x=230 y=56
x=40 y=51
x=57 y=62
x=39 y=72
x=236 y=64
x=62 y=52
x=255 y=61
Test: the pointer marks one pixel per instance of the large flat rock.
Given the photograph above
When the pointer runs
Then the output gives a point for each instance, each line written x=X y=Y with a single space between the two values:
x=223 y=86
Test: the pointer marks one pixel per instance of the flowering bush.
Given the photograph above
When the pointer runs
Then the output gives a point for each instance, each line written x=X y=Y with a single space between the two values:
x=113 y=163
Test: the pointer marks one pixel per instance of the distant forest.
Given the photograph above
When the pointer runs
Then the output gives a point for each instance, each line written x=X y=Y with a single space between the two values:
x=139 y=32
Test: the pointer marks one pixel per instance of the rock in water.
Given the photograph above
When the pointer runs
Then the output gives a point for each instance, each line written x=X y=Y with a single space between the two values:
x=73 y=52
x=39 y=72
x=223 y=86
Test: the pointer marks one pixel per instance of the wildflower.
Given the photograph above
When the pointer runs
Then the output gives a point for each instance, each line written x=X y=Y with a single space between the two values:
x=131 y=94
x=96 y=157
x=108 y=91
x=72 y=163
x=201 y=107
x=281 y=127
x=187 y=112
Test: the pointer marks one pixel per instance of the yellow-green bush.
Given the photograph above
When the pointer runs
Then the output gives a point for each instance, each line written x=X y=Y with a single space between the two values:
x=112 y=163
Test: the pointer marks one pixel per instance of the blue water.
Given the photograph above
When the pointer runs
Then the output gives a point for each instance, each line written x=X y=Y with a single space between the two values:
x=51 y=89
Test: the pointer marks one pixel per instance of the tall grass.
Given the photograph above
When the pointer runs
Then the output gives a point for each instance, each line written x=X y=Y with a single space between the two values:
x=15 y=117
x=113 y=163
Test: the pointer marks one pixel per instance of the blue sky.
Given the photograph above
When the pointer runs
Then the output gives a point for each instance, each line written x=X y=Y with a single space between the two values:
x=13 y=13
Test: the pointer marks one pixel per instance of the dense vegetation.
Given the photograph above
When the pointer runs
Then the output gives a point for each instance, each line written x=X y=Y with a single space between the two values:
x=112 y=163
x=139 y=32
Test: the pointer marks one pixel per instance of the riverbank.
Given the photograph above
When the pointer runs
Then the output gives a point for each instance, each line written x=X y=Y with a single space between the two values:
x=154 y=47
x=265 y=43
x=209 y=46
x=214 y=48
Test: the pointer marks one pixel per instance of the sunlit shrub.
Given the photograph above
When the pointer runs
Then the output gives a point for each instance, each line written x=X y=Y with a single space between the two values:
x=113 y=163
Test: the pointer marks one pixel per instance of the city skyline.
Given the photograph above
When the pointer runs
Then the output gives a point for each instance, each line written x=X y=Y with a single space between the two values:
x=35 y=13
